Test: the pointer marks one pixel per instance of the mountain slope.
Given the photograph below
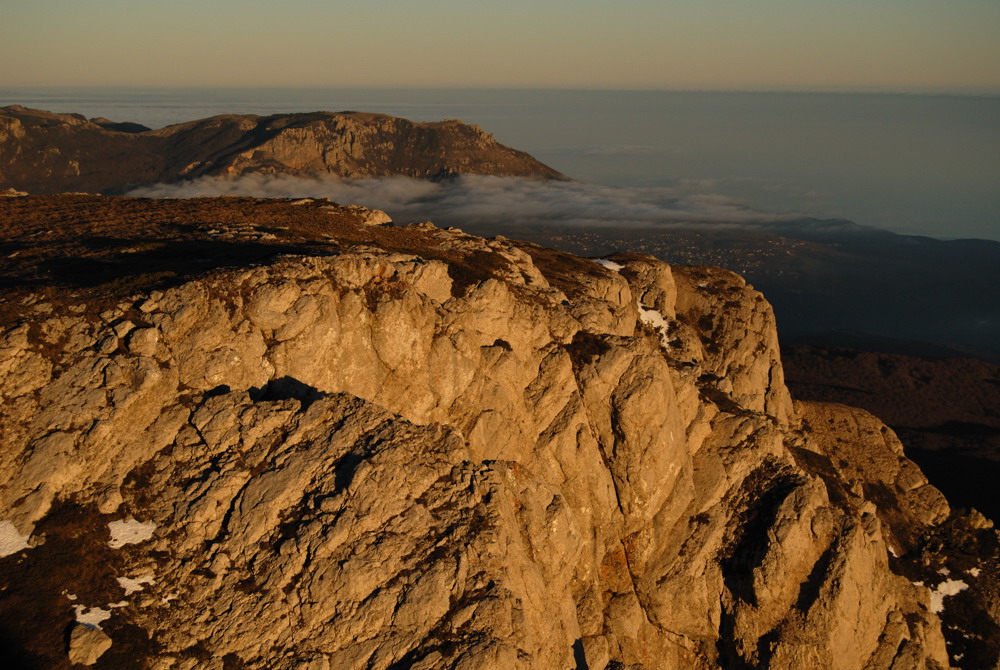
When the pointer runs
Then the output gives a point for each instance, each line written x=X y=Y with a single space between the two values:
x=416 y=448
x=946 y=411
x=42 y=152
x=832 y=283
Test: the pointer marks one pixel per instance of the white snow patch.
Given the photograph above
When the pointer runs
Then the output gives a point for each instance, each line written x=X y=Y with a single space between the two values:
x=132 y=585
x=611 y=265
x=69 y=596
x=945 y=589
x=129 y=531
x=11 y=541
x=944 y=571
x=975 y=572
x=91 y=616
x=652 y=317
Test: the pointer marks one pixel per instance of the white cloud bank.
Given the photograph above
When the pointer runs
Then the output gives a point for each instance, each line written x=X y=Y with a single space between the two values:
x=472 y=200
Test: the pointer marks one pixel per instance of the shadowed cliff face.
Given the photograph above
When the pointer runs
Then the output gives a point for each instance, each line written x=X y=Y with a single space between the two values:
x=417 y=448
x=43 y=152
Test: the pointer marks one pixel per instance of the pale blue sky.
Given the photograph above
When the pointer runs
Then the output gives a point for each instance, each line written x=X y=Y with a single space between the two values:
x=913 y=45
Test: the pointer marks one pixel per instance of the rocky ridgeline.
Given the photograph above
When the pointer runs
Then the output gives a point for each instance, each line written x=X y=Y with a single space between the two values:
x=43 y=152
x=370 y=459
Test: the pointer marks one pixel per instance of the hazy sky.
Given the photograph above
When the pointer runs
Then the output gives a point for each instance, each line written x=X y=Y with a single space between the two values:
x=703 y=44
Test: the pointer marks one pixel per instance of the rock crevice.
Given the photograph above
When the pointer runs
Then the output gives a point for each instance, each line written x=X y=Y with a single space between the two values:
x=352 y=463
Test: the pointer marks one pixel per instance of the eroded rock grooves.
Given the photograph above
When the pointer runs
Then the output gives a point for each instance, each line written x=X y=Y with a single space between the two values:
x=415 y=448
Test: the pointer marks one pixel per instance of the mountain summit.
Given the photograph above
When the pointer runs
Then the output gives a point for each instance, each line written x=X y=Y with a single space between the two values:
x=43 y=152
x=241 y=433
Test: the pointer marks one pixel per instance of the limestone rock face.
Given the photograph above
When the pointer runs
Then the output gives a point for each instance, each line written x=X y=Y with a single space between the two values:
x=364 y=460
x=87 y=644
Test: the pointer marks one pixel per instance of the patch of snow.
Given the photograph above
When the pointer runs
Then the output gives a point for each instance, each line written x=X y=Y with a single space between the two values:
x=611 y=265
x=944 y=571
x=975 y=572
x=69 y=596
x=917 y=583
x=129 y=531
x=132 y=585
x=945 y=589
x=11 y=541
x=652 y=317
x=91 y=616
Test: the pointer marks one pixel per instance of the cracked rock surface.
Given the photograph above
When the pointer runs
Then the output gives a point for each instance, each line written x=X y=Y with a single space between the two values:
x=463 y=454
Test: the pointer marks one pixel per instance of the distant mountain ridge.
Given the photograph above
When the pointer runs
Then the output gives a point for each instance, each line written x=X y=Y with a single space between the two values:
x=44 y=152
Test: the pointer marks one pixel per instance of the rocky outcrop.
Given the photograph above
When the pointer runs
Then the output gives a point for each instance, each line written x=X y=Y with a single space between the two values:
x=946 y=411
x=87 y=644
x=466 y=453
x=42 y=152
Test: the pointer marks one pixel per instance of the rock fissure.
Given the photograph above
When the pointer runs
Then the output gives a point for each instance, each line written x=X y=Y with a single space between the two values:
x=457 y=479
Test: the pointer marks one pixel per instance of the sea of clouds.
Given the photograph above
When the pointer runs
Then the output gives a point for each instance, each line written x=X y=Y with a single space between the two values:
x=481 y=201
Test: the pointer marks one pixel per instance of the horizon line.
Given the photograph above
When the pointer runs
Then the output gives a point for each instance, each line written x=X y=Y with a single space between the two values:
x=927 y=91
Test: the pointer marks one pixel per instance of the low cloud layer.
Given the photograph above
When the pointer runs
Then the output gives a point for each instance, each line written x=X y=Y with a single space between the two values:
x=474 y=200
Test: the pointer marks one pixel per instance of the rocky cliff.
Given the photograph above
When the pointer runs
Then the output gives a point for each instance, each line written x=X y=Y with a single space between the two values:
x=272 y=436
x=43 y=152
x=946 y=411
